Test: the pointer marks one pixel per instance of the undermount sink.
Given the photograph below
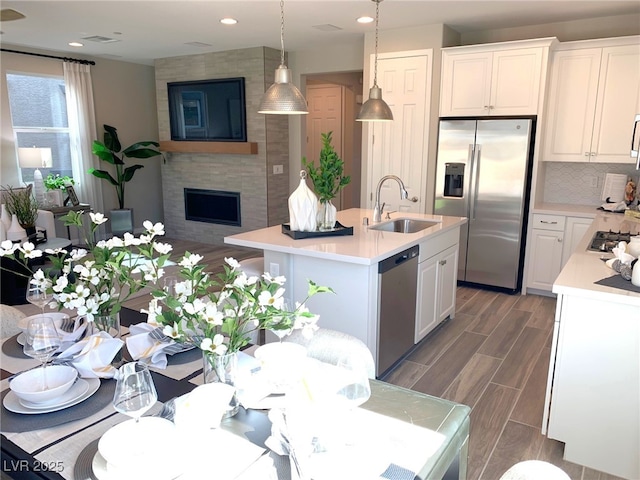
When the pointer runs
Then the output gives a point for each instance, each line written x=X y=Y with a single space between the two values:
x=403 y=225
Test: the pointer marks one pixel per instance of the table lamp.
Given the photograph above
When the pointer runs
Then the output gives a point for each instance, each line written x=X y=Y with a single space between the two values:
x=35 y=157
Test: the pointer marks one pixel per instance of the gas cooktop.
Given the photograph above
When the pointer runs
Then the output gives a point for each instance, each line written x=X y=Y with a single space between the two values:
x=606 y=241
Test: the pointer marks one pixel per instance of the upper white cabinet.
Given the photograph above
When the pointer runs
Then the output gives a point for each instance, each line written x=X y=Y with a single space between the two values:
x=493 y=79
x=594 y=96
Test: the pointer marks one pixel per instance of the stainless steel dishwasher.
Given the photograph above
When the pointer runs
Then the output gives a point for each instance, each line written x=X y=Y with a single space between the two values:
x=397 y=284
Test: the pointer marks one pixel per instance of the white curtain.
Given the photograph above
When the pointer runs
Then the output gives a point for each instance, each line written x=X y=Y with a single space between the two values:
x=82 y=133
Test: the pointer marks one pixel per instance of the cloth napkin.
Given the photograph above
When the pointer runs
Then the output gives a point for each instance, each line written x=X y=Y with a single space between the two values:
x=92 y=356
x=148 y=344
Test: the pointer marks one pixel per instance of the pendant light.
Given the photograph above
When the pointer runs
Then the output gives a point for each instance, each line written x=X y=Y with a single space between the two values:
x=375 y=109
x=283 y=98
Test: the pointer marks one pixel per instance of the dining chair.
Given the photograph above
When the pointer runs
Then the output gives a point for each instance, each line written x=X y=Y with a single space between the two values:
x=9 y=318
x=534 y=470
x=331 y=346
x=252 y=267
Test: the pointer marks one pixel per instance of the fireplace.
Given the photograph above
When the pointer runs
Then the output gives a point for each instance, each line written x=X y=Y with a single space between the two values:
x=212 y=206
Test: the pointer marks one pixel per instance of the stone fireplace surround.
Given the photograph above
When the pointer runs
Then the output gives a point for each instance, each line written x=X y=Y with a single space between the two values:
x=263 y=194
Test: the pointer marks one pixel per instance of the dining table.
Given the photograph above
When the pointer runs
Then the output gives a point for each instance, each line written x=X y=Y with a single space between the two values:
x=431 y=434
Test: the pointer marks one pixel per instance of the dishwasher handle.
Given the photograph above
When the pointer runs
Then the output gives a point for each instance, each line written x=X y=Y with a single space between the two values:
x=398 y=259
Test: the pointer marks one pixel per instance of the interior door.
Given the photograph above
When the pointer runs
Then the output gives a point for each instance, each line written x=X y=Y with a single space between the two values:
x=325 y=115
x=400 y=147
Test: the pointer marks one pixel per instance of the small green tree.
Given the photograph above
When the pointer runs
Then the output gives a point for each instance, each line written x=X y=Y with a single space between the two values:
x=327 y=177
x=109 y=151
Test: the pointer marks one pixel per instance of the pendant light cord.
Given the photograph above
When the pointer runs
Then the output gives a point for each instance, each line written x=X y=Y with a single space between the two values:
x=375 y=61
x=281 y=32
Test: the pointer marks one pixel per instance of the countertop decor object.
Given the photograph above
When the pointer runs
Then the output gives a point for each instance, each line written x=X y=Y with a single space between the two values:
x=303 y=207
x=328 y=180
x=337 y=231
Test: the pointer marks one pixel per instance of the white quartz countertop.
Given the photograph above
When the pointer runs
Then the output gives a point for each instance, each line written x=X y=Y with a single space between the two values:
x=585 y=267
x=366 y=246
x=587 y=211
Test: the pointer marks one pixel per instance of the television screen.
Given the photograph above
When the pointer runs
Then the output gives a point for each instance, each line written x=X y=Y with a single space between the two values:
x=208 y=110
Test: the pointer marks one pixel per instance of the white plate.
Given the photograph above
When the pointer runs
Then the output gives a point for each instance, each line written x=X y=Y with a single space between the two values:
x=99 y=467
x=76 y=391
x=57 y=319
x=21 y=338
x=12 y=403
x=132 y=457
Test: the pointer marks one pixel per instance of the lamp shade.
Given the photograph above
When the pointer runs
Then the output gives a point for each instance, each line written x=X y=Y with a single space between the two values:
x=283 y=97
x=34 y=157
x=375 y=109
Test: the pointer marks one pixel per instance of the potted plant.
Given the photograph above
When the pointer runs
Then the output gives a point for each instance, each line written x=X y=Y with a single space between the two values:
x=327 y=181
x=111 y=152
x=55 y=185
x=23 y=205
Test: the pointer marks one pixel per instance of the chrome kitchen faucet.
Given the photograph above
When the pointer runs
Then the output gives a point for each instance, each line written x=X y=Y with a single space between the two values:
x=377 y=209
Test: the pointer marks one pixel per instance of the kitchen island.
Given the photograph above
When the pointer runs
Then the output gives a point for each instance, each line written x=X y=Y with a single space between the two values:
x=349 y=265
x=593 y=389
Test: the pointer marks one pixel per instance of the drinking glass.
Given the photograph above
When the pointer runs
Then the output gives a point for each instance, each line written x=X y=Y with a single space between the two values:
x=135 y=392
x=41 y=342
x=281 y=333
x=37 y=294
x=355 y=388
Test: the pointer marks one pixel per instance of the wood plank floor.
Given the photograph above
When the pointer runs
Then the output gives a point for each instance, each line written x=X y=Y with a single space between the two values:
x=493 y=356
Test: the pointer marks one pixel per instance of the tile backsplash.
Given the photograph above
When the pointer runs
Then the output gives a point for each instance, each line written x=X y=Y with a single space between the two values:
x=573 y=183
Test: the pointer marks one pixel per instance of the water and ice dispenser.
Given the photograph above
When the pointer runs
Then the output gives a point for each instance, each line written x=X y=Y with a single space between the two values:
x=453 y=179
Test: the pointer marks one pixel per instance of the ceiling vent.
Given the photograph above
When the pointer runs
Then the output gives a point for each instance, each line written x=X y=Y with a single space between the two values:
x=199 y=44
x=100 y=39
x=7 y=15
x=327 y=27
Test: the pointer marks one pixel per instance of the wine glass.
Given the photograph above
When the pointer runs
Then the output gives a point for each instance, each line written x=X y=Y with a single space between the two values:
x=41 y=342
x=37 y=293
x=135 y=392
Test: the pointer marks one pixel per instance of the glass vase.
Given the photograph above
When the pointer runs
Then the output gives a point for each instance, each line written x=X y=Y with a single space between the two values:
x=326 y=216
x=111 y=324
x=222 y=368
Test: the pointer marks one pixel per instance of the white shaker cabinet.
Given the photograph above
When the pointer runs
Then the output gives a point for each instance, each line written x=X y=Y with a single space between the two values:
x=437 y=283
x=493 y=79
x=553 y=239
x=574 y=229
x=594 y=96
x=545 y=251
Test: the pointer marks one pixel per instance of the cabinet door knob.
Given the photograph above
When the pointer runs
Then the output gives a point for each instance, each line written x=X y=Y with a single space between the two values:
x=413 y=199
x=559 y=240
x=443 y=262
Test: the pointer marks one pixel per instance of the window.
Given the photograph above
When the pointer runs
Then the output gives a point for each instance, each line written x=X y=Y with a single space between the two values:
x=39 y=118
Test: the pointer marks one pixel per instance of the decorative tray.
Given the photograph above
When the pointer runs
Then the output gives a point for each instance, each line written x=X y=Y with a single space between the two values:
x=338 y=231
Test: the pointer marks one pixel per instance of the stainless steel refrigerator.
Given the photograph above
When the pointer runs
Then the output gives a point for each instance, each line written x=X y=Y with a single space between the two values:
x=483 y=173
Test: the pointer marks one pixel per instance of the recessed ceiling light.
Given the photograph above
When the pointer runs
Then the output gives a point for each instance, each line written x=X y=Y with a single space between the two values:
x=365 y=20
x=76 y=44
x=228 y=21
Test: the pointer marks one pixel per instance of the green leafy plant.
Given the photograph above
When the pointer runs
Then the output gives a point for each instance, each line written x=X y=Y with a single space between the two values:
x=21 y=203
x=57 y=181
x=327 y=177
x=111 y=152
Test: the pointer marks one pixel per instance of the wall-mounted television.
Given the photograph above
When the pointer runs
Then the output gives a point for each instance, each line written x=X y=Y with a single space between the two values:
x=208 y=110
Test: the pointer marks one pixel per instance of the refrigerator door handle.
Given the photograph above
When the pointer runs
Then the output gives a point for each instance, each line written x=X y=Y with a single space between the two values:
x=475 y=179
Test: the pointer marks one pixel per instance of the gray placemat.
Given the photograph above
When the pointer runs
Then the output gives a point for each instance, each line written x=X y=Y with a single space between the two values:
x=11 y=348
x=616 y=281
x=83 y=469
x=16 y=422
